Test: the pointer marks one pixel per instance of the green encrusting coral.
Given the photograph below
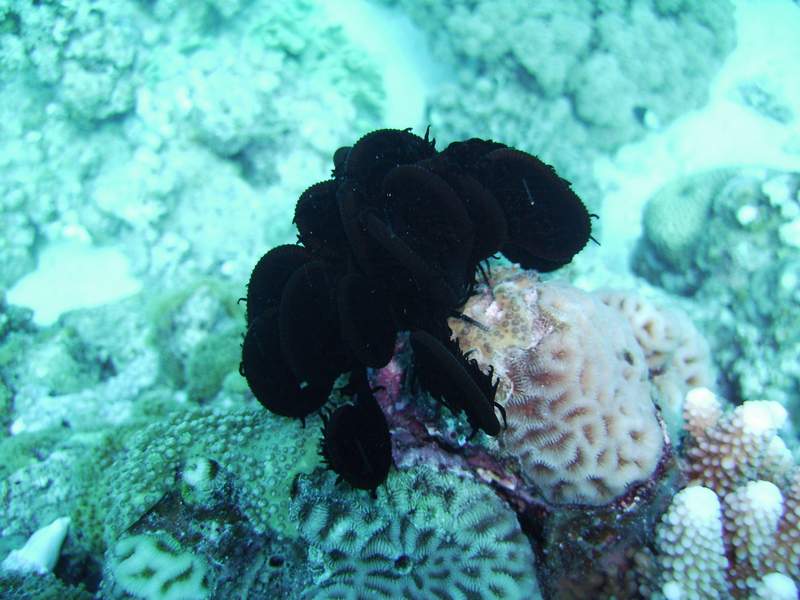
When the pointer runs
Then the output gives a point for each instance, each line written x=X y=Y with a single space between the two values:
x=117 y=476
x=263 y=454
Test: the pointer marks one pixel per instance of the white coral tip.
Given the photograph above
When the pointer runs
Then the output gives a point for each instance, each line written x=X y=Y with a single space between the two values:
x=701 y=504
x=765 y=495
x=701 y=399
x=672 y=591
x=40 y=552
x=760 y=416
x=777 y=586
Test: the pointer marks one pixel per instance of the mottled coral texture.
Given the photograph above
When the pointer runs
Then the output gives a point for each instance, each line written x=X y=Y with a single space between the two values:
x=589 y=75
x=428 y=535
x=740 y=265
x=574 y=384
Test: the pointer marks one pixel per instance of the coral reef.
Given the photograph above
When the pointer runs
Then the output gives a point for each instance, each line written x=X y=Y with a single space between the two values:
x=584 y=544
x=207 y=479
x=127 y=105
x=88 y=55
x=741 y=273
x=218 y=484
x=590 y=76
x=239 y=443
x=393 y=243
x=130 y=421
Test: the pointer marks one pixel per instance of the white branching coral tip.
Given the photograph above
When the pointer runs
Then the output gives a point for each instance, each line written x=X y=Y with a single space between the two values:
x=40 y=552
x=701 y=409
x=778 y=458
x=752 y=513
x=689 y=543
x=775 y=586
x=759 y=417
x=701 y=505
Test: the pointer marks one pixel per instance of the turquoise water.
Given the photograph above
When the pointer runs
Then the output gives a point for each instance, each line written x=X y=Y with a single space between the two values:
x=152 y=151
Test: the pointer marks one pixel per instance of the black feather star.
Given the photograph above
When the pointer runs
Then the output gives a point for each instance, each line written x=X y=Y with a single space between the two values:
x=394 y=242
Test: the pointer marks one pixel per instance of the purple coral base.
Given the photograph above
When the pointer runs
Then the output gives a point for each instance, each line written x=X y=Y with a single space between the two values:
x=419 y=439
x=571 y=542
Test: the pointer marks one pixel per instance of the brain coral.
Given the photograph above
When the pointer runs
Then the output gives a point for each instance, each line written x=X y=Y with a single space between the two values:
x=428 y=535
x=574 y=383
x=157 y=568
x=677 y=355
x=675 y=219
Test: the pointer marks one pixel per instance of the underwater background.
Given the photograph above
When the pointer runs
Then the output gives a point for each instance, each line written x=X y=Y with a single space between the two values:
x=151 y=151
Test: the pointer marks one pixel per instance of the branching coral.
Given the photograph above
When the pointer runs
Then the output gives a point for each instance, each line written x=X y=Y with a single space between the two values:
x=725 y=450
x=738 y=519
x=690 y=542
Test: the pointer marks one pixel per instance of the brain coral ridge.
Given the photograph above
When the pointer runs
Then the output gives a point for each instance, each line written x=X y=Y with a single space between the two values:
x=677 y=355
x=574 y=383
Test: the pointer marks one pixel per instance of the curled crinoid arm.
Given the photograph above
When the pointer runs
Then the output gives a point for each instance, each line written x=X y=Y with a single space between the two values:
x=450 y=377
x=269 y=277
x=269 y=377
x=355 y=439
x=365 y=319
x=470 y=320
x=502 y=413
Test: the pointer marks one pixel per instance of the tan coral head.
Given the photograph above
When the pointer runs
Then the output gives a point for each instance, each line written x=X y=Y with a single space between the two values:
x=574 y=383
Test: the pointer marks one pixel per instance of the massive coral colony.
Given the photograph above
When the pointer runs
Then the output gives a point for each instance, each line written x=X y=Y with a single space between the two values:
x=395 y=242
